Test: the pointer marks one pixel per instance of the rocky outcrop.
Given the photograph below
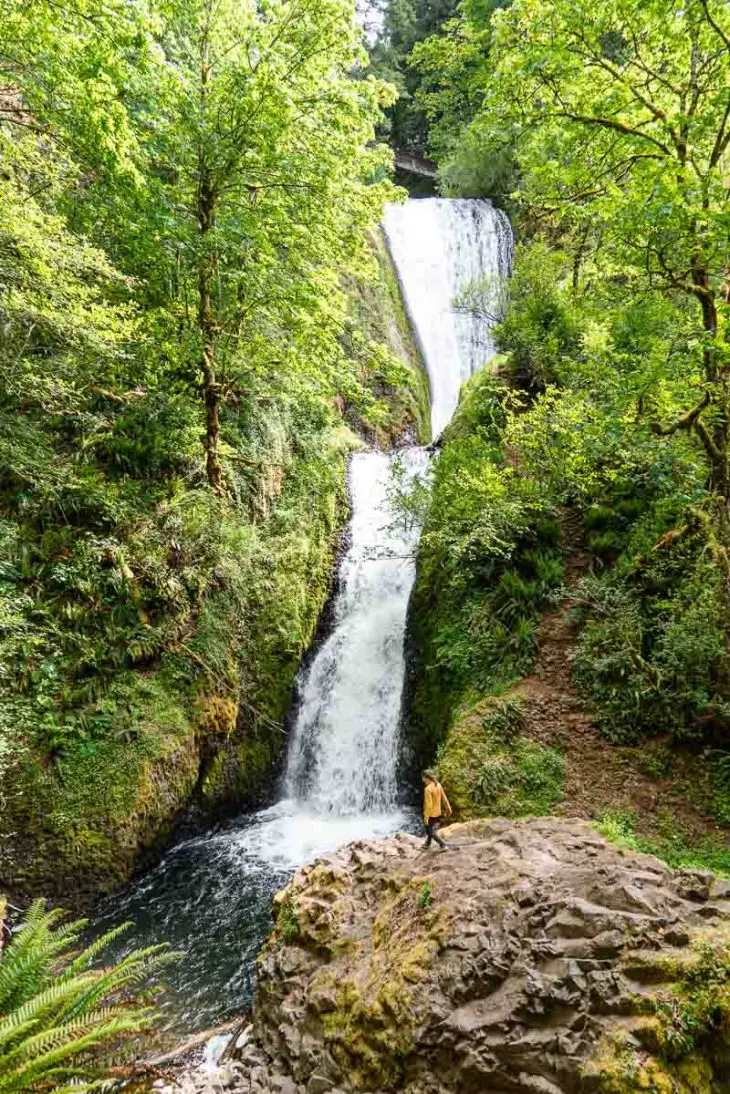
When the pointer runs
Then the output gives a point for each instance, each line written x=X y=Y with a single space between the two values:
x=531 y=957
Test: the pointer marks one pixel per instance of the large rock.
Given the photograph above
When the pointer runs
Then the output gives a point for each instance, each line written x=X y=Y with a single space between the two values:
x=531 y=957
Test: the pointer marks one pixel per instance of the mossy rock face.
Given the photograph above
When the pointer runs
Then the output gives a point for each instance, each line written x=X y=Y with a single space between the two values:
x=489 y=768
x=532 y=956
x=682 y=1046
x=178 y=737
x=82 y=826
x=378 y=338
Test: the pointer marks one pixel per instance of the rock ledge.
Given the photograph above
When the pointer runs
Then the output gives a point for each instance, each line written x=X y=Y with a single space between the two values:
x=528 y=959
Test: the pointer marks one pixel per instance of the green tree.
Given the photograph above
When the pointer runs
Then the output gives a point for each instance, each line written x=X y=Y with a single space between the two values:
x=270 y=138
x=621 y=113
x=453 y=68
x=405 y=24
x=222 y=155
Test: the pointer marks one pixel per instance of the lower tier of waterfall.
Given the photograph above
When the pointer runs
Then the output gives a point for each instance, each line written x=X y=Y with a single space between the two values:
x=210 y=897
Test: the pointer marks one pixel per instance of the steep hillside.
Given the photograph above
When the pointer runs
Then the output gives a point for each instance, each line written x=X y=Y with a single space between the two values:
x=184 y=352
x=526 y=685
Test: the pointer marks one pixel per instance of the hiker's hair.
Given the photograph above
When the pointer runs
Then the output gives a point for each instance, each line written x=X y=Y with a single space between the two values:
x=429 y=774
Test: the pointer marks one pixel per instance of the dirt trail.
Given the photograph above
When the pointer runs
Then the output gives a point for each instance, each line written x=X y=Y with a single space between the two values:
x=600 y=776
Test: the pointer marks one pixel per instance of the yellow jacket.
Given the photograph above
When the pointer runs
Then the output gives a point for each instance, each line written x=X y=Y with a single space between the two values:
x=433 y=801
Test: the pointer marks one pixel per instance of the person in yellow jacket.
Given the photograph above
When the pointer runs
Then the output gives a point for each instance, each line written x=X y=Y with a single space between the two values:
x=435 y=803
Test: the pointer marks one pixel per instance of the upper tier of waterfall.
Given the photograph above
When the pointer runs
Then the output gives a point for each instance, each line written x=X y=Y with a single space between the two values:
x=440 y=248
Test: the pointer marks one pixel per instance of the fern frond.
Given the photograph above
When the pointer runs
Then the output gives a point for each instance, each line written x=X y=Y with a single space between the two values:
x=84 y=959
x=28 y=961
x=42 y=1061
x=129 y=973
x=49 y=999
x=63 y=1022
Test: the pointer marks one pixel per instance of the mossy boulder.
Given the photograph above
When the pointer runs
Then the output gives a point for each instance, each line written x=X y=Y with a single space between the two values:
x=490 y=768
x=532 y=957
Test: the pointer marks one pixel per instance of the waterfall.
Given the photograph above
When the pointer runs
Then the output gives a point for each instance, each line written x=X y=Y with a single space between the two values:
x=441 y=248
x=342 y=757
x=340 y=776
x=344 y=749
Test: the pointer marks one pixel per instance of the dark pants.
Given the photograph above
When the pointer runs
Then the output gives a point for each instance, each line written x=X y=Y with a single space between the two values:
x=431 y=826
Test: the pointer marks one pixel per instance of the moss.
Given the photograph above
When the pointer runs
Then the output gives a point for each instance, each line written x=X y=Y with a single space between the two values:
x=216 y=714
x=379 y=341
x=85 y=821
x=371 y=1028
x=684 y=1047
x=287 y=921
x=488 y=767
x=618 y=1068
x=672 y=844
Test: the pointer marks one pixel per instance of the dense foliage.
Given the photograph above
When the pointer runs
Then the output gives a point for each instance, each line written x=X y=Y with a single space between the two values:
x=404 y=24
x=64 y=1018
x=187 y=192
x=595 y=466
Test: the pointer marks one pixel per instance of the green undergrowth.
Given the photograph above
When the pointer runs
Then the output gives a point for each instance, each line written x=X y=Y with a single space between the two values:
x=672 y=843
x=110 y=758
x=489 y=562
x=551 y=490
x=488 y=767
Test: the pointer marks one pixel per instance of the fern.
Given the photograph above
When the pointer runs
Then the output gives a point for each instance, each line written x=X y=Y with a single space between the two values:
x=64 y=1022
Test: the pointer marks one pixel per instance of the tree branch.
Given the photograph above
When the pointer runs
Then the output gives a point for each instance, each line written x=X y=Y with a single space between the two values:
x=685 y=422
x=715 y=26
x=618 y=127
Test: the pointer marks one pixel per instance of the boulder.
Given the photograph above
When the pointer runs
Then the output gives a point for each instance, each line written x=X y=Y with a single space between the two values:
x=531 y=957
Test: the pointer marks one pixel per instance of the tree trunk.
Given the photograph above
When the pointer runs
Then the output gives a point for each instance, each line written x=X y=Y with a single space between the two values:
x=206 y=206
x=714 y=440
x=206 y=321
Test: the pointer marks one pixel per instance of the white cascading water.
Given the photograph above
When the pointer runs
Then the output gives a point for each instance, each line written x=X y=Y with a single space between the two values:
x=440 y=249
x=340 y=781
x=342 y=757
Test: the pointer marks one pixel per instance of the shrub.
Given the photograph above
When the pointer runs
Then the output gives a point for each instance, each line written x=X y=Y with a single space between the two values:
x=425 y=895
x=64 y=1020
x=652 y=655
x=542 y=325
x=287 y=921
